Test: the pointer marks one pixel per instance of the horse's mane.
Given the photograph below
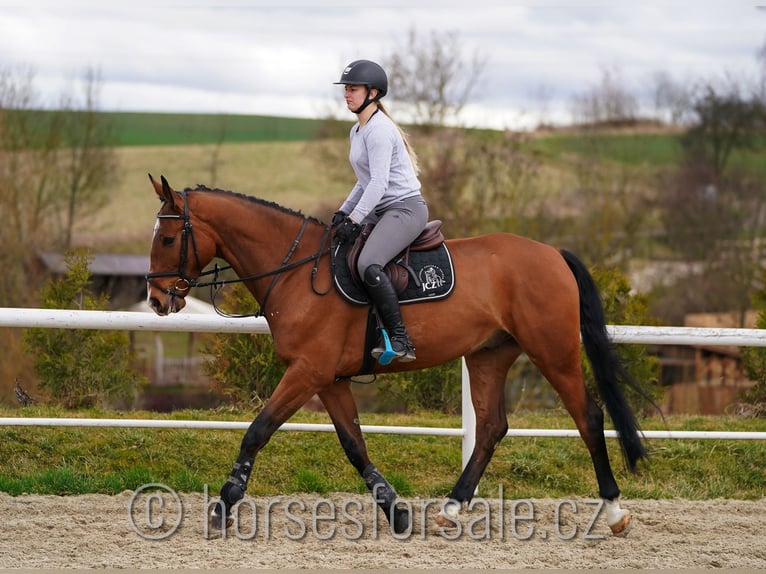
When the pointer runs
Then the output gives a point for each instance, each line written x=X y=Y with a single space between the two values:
x=259 y=201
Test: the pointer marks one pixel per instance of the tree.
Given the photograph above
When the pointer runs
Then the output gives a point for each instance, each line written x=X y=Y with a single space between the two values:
x=483 y=183
x=713 y=210
x=725 y=121
x=430 y=76
x=25 y=203
x=608 y=103
x=714 y=236
x=671 y=99
x=53 y=170
x=761 y=88
x=87 y=159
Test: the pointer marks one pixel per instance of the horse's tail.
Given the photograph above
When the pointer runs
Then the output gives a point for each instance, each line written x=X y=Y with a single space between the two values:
x=608 y=369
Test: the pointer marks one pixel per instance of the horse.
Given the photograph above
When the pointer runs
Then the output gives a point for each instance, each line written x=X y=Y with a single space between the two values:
x=512 y=295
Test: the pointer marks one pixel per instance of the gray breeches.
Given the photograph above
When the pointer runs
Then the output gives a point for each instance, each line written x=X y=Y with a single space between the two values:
x=397 y=226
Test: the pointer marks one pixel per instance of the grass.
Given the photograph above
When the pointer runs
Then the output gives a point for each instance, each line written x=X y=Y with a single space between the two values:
x=150 y=129
x=73 y=460
x=652 y=149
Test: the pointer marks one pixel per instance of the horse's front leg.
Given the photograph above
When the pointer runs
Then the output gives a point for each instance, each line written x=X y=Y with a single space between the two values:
x=291 y=394
x=340 y=405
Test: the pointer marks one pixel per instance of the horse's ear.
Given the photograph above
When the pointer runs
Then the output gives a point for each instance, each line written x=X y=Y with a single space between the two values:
x=163 y=190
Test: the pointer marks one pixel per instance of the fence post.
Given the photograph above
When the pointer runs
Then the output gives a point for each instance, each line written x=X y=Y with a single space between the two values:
x=468 y=415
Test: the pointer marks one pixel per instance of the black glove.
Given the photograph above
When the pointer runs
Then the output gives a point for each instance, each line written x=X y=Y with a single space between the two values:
x=338 y=217
x=347 y=230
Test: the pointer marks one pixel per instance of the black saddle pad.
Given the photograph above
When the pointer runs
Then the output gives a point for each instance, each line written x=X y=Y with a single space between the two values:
x=433 y=268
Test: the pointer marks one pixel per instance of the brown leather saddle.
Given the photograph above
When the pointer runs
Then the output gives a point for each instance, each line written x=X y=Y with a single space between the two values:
x=398 y=269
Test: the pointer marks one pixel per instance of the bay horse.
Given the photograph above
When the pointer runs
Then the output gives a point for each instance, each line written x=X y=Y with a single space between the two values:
x=512 y=295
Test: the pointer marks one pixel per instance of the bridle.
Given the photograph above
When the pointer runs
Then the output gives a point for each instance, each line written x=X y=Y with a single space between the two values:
x=185 y=282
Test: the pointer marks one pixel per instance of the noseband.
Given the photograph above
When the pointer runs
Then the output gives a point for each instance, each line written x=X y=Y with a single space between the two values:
x=185 y=281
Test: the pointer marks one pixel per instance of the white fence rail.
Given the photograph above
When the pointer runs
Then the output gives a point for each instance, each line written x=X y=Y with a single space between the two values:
x=133 y=321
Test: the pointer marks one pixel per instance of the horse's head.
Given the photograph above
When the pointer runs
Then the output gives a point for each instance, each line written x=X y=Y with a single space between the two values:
x=177 y=255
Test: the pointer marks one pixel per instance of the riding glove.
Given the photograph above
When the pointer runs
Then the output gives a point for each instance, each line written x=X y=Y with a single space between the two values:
x=347 y=230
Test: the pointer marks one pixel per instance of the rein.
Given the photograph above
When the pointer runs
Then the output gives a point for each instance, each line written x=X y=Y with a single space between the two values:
x=185 y=282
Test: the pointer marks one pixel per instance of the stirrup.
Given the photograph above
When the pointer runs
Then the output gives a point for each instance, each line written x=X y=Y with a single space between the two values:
x=385 y=352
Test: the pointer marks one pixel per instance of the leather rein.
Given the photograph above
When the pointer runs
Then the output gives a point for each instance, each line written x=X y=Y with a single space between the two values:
x=185 y=281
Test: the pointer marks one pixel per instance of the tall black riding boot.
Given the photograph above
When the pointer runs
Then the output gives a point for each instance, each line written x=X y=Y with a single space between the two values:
x=384 y=298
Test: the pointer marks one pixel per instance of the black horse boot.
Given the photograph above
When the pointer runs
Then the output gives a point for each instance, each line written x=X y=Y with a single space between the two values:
x=383 y=296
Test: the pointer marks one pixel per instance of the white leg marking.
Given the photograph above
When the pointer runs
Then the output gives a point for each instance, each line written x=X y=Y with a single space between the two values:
x=447 y=517
x=617 y=518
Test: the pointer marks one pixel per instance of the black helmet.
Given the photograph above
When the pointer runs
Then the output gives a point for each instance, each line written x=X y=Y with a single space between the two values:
x=365 y=73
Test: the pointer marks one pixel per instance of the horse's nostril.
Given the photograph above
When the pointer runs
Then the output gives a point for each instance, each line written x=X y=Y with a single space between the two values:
x=155 y=304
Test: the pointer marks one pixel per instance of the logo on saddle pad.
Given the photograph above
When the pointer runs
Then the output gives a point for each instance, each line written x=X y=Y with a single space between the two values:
x=431 y=278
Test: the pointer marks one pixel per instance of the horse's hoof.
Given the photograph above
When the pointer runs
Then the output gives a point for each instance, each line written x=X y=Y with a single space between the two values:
x=443 y=521
x=402 y=521
x=622 y=526
x=215 y=523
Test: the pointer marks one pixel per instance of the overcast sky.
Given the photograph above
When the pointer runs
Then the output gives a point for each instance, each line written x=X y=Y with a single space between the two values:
x=281 y=57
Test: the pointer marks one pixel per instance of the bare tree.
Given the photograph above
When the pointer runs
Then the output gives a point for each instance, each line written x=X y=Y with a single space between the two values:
x=761 y=89
x=672 y=101
x=607 y=103
x=87 y=158
x=25 y=203
x=431 y=77
x=53 y=170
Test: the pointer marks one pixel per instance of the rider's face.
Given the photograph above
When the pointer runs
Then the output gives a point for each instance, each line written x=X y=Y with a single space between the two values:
x=355 y=94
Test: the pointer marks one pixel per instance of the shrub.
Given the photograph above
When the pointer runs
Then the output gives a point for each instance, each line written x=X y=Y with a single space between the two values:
x=754 y=362
x=623 y=308
x=243 y=365
x=435 y=389
x=80 y=367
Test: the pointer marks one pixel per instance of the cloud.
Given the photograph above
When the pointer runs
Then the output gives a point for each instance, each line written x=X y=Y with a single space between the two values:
x=282 y=57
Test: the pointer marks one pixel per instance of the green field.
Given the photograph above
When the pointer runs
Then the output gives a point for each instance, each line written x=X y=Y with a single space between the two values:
x=149 y=129
x=76 y=460
x=632 y=149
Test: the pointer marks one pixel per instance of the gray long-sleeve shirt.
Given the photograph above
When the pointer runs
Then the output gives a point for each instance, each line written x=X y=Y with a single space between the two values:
x=382 y=166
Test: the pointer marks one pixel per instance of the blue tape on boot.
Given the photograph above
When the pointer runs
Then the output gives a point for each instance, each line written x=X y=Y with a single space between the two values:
x=388 y=355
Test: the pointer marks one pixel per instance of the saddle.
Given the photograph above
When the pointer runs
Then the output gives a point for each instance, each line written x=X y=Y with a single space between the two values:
x=398 y=269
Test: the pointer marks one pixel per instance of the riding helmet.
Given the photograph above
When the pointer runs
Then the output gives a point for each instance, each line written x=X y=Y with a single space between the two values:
x=365 y=73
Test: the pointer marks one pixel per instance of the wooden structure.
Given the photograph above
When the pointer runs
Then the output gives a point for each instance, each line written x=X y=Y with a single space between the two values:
x=704 y=379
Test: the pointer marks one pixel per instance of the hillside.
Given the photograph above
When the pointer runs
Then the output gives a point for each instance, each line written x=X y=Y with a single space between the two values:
x=290 y=173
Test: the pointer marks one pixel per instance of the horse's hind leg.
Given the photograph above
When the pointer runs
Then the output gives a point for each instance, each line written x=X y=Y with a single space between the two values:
x=488 y=368
x=565 y=375
x=340 y=405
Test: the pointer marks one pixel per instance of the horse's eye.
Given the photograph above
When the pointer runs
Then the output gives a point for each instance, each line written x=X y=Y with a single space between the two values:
x=168 y=241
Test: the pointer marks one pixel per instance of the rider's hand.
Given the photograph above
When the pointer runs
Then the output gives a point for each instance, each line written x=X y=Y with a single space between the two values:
x=338 y=217
x=347 y=230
